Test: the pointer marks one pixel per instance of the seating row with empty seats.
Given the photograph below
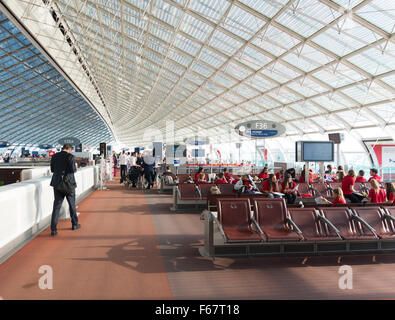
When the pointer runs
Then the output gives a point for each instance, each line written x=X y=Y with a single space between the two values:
x=271 y=220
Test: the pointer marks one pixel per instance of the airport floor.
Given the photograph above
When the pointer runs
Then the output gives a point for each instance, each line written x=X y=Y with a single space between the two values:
x=131 y=246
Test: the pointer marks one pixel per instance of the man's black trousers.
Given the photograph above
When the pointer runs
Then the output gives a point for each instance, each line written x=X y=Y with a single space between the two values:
x=57 y=204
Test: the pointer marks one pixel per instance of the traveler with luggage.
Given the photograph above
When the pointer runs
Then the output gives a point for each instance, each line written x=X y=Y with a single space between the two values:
x=63 y=181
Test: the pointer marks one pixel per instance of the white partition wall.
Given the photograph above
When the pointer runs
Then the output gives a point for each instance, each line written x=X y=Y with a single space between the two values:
x=26 y=207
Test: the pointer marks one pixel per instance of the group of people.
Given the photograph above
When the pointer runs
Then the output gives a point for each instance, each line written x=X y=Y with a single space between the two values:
x=135 y=166
x=5 y=158
x=285 y=184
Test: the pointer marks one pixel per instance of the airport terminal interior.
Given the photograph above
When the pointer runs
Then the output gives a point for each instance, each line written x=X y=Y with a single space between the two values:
x=203 y=149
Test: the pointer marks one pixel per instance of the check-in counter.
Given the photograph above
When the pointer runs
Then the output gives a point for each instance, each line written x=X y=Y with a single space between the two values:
x=26 y=207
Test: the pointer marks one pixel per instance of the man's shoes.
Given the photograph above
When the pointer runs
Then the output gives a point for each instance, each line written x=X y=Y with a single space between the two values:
x=76 y=226
x=53 y=233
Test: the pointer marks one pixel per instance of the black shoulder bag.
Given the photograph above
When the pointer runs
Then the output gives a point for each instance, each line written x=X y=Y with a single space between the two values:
x=66 y=186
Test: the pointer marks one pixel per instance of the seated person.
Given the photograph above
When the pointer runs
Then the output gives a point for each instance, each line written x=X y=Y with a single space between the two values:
x=348 y=188
x=280 y=174
x=360 y=177
x=215 y=190
x=227 y=176
x=374 y=175
x=340 y=168
x=340 y=176
x=329 y=169
x=190 y=180
x=168 y=171
x=234 y=181
x=292 y=172
x=302 y=177
x=245 y=185
x=339 y=197
x=201 y=170
x=390 y=190
x=288 y=188
x=220 y=179
x=264 y=174
x=377 y=194
x=270 y=187
x=201 y=179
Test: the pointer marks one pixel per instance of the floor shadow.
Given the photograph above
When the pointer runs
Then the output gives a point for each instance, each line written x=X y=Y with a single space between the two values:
x=180 y=254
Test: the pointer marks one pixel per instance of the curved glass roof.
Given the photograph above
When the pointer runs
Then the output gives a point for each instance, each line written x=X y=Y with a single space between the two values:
x=37 y=105
x=315 y=66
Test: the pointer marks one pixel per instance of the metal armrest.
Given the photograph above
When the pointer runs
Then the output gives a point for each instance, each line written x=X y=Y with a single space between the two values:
x=258 y=227
x=221 y=230
x=388 y=216
x=367 y=225
x=324 y=219
x=199 y=192
x=293 y=224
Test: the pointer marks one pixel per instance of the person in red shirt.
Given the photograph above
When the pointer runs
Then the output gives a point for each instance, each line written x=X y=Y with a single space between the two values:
x=373 y=173
x=236 y=180
x=198 y=173
x=201 y=179
x=376 y=194
x=221 y=179
x=270 y=186
x=390 y=189
x=264 y=174
x=280 y=174
x=288 y=188
x=227 y=176
x=360 y=177
x=302 y=177
x=348 y=188
x=339 y=197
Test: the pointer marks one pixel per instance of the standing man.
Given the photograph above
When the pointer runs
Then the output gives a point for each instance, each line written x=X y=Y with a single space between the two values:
x=63 y=163
x=123 y=161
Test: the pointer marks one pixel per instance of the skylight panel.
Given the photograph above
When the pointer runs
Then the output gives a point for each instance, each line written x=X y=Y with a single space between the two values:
x=167 y=13
x=306 y=87
x=236 y=71
x=308 y=18
x=195 y=28
x=224 y=43
x=223 y=80
x=352 y=36
x=338 y=75
x=380 y=13
x=266 y=102
x=252 y=58
x=242 y=23
x=267 y=8
x=374 y=61
x=307 y=58
x=260 y=83
x=211 y=10
x=246 y=91
x=280 y=72
x=212 y=58
x=187 y=45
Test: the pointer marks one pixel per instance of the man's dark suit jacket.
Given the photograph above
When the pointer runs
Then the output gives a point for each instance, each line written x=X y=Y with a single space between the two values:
x=62 y=162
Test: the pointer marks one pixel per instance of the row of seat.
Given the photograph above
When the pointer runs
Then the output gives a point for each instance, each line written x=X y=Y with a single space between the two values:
x=271 y=220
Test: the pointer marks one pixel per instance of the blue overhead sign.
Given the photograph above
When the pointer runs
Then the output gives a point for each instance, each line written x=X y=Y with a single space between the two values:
x=4 y=144
x=71 y=140
x=45 y=146
x=260 y=129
